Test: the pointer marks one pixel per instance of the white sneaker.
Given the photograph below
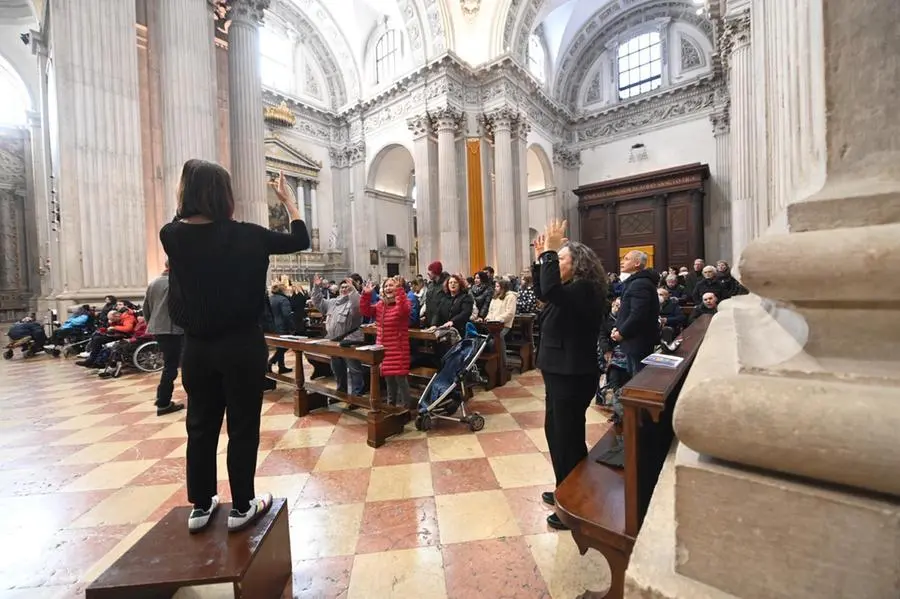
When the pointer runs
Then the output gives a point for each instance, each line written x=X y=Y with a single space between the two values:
x=199 y=519
x=259 y=505
x=84 y=354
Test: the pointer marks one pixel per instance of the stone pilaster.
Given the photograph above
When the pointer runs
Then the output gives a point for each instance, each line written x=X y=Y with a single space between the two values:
x=502 y=123
x=97 y=131
x=721 y=206
x=248 y=163
x=446 y=123
x=362 y=210
x=566 y=164
x=424 y=156
x=41 y=203
x=340 y=190
x=183 y=39
x=520 y=187
x=742 y=84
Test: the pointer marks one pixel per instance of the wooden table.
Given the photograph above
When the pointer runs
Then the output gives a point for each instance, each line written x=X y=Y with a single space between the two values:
x=605 y=506
x=383 y=420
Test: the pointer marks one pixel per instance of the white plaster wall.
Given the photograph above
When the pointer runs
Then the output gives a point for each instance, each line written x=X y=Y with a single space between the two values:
x=537 y=211
x=684 y=143
x=392 y=218
x=20 y=58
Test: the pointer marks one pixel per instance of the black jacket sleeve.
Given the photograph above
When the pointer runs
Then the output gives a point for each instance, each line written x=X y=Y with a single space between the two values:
x=643 y=304
x=465 y=311
x=287 y=243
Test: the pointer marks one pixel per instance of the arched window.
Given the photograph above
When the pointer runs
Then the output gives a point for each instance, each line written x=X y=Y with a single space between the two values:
x=276 y=60
x=386 y=53
x=14 y=103
x=537 y=60
x=640 y=65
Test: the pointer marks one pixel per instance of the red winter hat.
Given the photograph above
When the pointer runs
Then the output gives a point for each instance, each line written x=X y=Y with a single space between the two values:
x=436 y=267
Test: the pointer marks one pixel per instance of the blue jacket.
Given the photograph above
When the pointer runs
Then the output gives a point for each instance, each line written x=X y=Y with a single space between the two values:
x=20 y=330
x=282 y=314
x=413 y=309
x=76 y=321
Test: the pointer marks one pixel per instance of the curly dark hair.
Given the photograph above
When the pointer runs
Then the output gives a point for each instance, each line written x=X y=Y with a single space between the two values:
x=586 y=266
x=463 y=285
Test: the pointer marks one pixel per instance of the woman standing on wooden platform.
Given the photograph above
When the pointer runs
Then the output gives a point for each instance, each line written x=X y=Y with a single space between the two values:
x=217 y=294
x=569 y=279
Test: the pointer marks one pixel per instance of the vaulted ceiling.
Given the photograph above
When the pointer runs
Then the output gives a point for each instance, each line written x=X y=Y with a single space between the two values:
x=13 y=12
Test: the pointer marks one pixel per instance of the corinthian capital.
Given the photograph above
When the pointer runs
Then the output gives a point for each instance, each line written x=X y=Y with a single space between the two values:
x=446 y=119
x=566 y=157
x=522 y=128
x=502 y=119
x=247 y=11
x=420 y=125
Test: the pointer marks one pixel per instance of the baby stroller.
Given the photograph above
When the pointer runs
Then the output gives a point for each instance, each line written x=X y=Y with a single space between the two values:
x=446 y=392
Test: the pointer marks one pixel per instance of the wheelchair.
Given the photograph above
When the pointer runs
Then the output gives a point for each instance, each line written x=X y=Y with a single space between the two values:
x=28 y=346
x=143 y=355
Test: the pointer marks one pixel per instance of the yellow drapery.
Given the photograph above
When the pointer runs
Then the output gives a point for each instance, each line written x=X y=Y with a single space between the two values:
x=477 y=258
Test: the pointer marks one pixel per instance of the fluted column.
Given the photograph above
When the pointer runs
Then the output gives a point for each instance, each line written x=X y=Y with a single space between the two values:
x=361 y=211
x=446 y=122
x=424 y=156
x=742 y=115
x=566 y=164
x=41 y=205
x=248 y=163
x=99 y=149
x=183 y=38
x=505 y=201
x=520 y=186
x=721 y=196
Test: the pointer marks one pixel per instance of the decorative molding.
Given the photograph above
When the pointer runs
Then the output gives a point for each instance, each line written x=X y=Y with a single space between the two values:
x=692 y=56
x=420 y=125
x=446 y=118
x=736 y=34
x=566 y=157
x=12 y=163
x=414 y=35
x=250 y=12
x=470 y=8
x=435 y=17
x=651 y=111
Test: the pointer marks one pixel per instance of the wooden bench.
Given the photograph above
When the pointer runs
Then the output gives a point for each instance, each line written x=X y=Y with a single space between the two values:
x=490 y=362
x=257 y=561
x=605 y=506
x=520 y=340
x=383 y=420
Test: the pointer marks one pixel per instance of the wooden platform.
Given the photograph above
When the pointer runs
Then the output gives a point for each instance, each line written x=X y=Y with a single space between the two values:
x=257 y=561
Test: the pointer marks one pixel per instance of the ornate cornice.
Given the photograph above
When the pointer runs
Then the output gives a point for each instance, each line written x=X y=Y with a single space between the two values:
x=447 y=118
x=650 y=112
x=420 y=126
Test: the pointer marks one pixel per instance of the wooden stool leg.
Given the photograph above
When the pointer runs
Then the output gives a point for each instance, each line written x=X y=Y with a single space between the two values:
x=618 y=563
x=270 y=570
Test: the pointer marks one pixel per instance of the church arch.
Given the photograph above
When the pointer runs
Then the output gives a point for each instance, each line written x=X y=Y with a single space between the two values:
x=392 y=171
x=540 y=169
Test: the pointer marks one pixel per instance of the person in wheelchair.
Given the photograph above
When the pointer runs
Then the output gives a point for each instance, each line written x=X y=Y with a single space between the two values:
x=121 y=325
x=123 y=350
x=75 y=326
x=27 y=334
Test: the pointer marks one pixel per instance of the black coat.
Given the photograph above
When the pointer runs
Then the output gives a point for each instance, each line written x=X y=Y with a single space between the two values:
x=298 y=306
x=638 y=317
x=570 y=320
x=457 y=309
x=673 y=314
x=705 y=286
x=483 y=295
x=281 y=312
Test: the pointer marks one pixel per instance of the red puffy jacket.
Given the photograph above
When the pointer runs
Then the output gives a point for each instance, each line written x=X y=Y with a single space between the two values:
x=392 y=322
x=126 y=323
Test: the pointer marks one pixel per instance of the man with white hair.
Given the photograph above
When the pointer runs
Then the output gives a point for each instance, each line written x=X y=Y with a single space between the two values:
x=637 y=323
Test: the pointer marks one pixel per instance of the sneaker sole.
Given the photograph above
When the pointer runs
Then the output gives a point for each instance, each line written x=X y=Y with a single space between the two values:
x=252 y=520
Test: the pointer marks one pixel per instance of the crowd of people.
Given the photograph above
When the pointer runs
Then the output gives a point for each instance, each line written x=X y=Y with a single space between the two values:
x=208 y=314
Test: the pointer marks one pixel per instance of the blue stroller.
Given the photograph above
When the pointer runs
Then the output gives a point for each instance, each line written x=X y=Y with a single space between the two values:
x=446 y=392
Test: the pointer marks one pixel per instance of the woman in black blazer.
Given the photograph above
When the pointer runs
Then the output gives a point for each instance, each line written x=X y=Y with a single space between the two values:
x=569 y=279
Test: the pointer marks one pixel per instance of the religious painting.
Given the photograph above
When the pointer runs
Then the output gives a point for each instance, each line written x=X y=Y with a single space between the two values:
x=278 y=216
x=373 y=257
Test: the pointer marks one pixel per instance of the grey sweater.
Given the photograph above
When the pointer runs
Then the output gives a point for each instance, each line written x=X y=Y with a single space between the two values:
x=342 y=314
x=156 y=308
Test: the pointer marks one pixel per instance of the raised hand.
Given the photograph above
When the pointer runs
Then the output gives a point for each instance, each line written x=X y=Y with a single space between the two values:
x=317 y=280
x=281 y=189
x=538 y=246
x=555 y=235
x=369 y=288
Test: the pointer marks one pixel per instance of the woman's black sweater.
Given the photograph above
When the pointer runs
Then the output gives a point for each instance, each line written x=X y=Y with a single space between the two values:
x=217 y=272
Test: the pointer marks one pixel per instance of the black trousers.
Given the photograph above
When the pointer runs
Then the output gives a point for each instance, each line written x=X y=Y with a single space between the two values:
x=171 y=346
x=278 y=357
x=568 y=398
x=223 y=375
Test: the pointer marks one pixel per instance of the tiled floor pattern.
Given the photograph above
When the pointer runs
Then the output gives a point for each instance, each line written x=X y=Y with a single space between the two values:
x=86 y=468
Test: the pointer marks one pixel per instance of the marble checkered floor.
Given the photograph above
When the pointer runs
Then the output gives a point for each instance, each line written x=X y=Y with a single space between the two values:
x=86 y=468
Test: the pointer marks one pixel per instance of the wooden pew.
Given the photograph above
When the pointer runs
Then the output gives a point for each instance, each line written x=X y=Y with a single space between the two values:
x=605 y=506
x=316 y=326
x=521 y=340
x=496 y=375
x=383 y=420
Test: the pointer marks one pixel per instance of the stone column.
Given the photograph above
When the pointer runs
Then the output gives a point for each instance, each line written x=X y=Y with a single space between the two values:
x=520 y=186
x=97 y=129
x=424 y=155
x=446 y=122
x=362 y=210
x=340 y=226
x=248 y=162
x=721 y=195
x=742 y=118
x=183 y=38
x=566 y=164
x=504 y=180
x=41 y=199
